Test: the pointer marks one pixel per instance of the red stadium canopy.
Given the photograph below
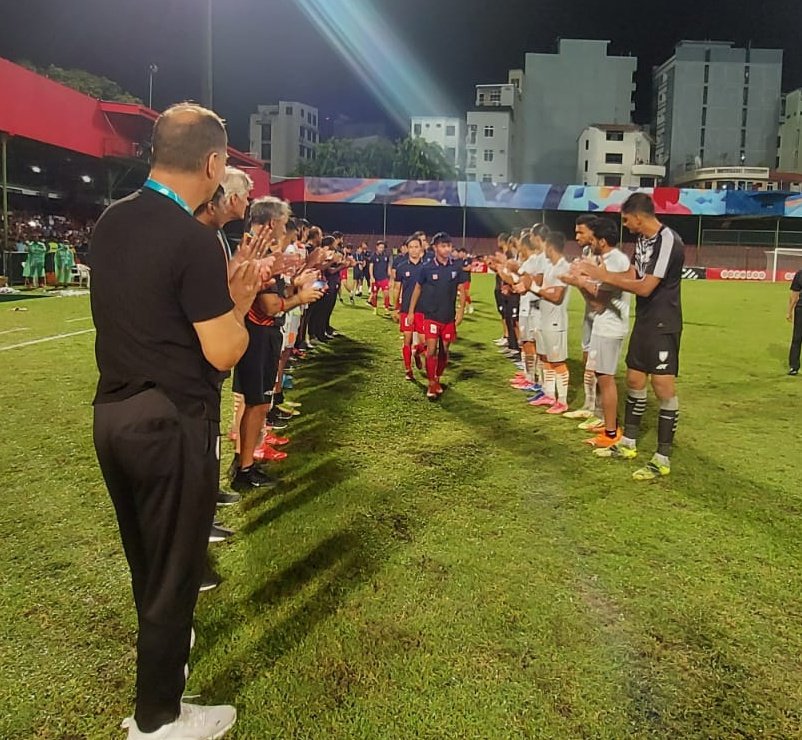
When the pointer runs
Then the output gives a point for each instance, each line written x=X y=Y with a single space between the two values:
x=37 y=108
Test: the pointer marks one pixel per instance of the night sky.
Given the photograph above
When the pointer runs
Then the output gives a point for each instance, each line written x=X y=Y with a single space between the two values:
x=269 y=49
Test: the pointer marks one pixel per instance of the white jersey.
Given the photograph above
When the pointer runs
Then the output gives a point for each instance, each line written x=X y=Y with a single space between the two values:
x=528 y=300
x=613 y=321
x=554 y=317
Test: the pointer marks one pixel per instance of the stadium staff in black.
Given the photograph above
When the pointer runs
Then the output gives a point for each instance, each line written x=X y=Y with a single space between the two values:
x=655 y=340
x=170 y=320
x=795 y=316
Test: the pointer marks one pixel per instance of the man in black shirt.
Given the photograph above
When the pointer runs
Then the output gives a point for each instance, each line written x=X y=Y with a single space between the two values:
x=655 y=340
x=795 y=316
x=170 y=320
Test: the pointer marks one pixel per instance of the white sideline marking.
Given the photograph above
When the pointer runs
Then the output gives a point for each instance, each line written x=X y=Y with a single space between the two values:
x=83 y=318
x=46 y=339
x=11 y=331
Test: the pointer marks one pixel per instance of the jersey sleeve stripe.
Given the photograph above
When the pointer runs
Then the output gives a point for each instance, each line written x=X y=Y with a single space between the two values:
x=666 y=245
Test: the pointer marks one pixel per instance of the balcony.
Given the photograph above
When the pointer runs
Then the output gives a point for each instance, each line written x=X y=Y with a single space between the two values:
x=649 y=170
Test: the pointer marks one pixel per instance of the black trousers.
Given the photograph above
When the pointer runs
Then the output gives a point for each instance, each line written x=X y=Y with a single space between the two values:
x=331 y=303
x=796 y=340
x=319 y=314
x=510 y=305
x=162 y=471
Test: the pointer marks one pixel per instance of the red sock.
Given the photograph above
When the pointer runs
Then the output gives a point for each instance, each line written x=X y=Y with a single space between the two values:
x=431 y=368
x=387 y=301
x=442 y=361
x=406 y=350
x=420 y=348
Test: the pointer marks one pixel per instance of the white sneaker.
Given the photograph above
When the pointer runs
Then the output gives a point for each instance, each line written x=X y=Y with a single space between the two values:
x=578 y=414
x=195 y=723
x=470 y=308
x=500 y=341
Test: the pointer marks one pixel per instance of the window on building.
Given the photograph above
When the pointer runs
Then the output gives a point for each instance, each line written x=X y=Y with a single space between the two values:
x=744 y=115
x=451 y=130
x=647 y=182
x=704 y=116
x=487 y=178
x=586 y=165
x=707 y=73
x=615 y=136
x=707 y=56
x=314 y=120
x=288 y=110
x=613 y=158
x=490 y=131
x=267 y=132
x=472 y=158
x=471 y=177
x=489 y=155
x=451 y=154
x=743 y=138
x=267 y=152
x=439 y=125
x=702 y=137
x=702 y=155
x=301 y=133
x=428 y=125
x=746 y=96
x=746 y=75
x=302 y=151
x=612 y=180
x=472 y=133
x=417 y=129
x=495 y=96
x=587 y=144
x=704 y=96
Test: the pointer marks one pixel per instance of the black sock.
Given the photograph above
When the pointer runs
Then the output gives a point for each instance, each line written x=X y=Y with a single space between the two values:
x=666 y=429
x=633 y=415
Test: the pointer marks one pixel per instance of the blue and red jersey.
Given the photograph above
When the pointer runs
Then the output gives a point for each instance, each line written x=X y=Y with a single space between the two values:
x=439 y=289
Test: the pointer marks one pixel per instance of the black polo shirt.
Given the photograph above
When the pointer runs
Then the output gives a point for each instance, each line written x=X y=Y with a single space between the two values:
x=663 y=256
x=381 y=266
x=796 y=286
x=155 y=272
x=407 y=273
x=439 y=285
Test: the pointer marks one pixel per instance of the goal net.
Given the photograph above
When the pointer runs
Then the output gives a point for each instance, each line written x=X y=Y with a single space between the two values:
x=782 y=263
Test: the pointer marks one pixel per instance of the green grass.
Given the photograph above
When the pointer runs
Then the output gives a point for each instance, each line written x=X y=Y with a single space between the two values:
x=463 y=569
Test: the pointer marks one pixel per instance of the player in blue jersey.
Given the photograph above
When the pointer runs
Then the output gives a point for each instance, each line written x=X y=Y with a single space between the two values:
x=440 y=282
x=406 y=278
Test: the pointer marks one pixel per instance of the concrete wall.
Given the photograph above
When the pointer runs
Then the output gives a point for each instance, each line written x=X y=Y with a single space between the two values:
x=563 y=94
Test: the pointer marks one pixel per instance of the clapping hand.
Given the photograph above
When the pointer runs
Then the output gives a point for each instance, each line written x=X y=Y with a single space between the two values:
x=253 y=247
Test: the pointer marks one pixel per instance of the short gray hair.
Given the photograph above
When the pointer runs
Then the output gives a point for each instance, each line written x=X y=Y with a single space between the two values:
x=269 y=209
x=236 y=182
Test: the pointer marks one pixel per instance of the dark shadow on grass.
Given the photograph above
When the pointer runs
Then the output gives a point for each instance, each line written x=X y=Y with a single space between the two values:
x=338 y=565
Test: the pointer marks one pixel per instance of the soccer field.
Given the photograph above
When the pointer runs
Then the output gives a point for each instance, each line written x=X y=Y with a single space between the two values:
x=462 y=569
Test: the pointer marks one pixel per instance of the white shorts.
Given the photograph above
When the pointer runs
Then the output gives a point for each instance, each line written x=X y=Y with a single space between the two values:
x=553 y=345
x=587 y=330
x=604 y=354
x=529 y=326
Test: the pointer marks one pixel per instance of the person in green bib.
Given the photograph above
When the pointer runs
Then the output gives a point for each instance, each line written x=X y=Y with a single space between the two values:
x=35 y=262
x=64 y=262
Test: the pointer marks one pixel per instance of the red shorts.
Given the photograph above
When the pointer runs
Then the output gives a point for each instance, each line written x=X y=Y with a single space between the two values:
x=439 y=330
x=410 y=324
x=381 y=285
x=344 y=274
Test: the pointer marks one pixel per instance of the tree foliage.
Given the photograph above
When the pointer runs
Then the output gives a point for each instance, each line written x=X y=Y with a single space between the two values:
x=406 y=159
x=85 y=82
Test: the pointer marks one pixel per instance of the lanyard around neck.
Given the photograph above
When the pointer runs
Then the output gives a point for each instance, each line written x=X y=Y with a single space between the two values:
x=157 y=187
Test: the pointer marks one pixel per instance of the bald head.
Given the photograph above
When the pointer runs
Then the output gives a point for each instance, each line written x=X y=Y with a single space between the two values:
x=184 y=137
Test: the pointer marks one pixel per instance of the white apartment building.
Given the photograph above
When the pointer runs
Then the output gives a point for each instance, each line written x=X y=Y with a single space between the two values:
x=446 y=131
x=789 y=156
x=284 y=135
x=493 y=138
x=617 y=155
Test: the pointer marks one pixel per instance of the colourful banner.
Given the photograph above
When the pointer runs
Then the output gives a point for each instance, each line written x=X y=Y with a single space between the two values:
x=534 y=197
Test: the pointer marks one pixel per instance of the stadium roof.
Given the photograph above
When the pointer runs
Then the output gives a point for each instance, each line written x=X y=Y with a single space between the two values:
x=36 y=108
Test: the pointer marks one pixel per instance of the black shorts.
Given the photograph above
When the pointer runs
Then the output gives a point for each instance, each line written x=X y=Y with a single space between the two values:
x=499 y=301
x=653 y=353
x=510 y=304
x=255 y=374
x=358 y=274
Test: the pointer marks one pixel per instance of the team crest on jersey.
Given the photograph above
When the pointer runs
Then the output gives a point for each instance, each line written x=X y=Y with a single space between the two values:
x=454 y=275
x=435 y=276
x=407 y=273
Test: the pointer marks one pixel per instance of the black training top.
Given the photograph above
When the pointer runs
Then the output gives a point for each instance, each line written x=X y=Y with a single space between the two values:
x=663 y=256
x=439 y=289
x=796 y=286
x=155 y=272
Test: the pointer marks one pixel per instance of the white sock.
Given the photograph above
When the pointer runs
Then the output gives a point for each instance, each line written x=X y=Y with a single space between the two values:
x=590 y=382
x=562 y=386
x=549 y=381
x=529 y=367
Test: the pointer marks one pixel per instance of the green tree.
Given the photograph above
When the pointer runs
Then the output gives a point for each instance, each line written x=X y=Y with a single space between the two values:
x=406 y=159
x=85 y=82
